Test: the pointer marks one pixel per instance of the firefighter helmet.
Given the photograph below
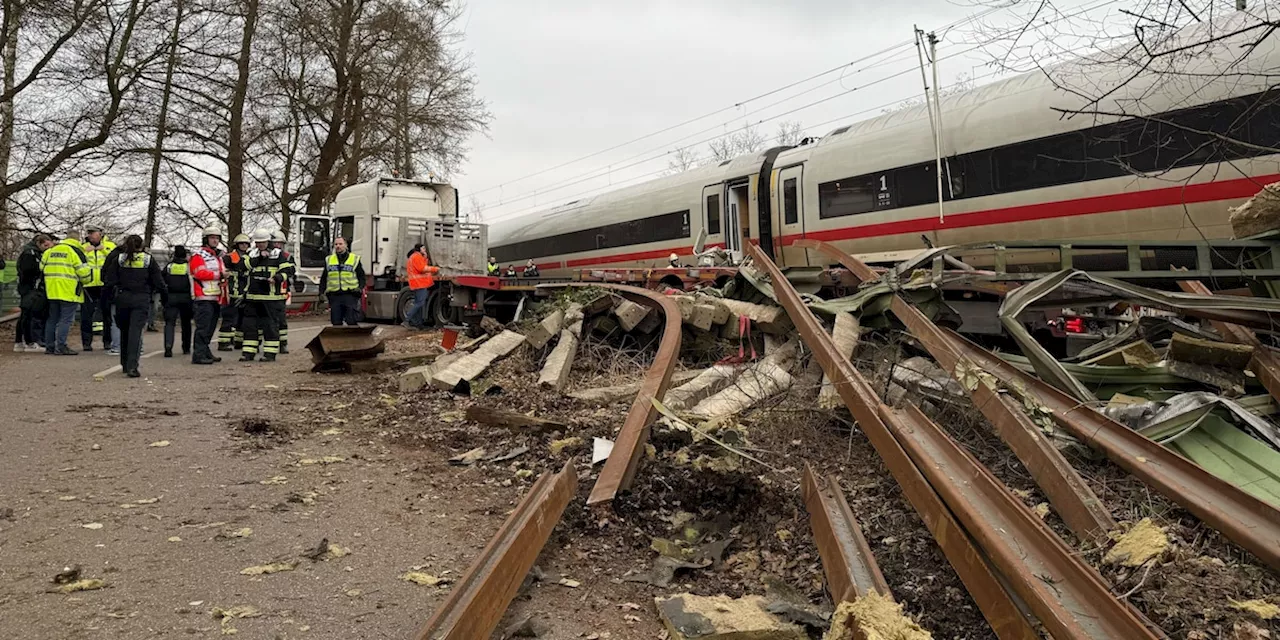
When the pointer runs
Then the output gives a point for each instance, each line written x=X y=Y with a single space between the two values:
x=261 y=235
x=242 y=238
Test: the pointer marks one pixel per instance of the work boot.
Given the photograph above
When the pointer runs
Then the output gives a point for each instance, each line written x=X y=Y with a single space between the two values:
x=168 y=353
x=186 y=352
x=268 y=357
x=248 y=357
x=217 y=359
x=133 y=373
x=224 y=346
x=68 y=351
x=284 y=350
x=87 y=347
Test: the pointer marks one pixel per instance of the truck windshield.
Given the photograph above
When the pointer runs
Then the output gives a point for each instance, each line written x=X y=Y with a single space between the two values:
x=313 y=241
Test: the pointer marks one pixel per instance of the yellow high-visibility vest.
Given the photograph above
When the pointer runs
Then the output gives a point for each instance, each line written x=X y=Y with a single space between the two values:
x=341 y=276
x=65 y=272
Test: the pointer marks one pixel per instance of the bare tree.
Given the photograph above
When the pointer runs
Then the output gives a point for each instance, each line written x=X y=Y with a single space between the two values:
x=789 y=134
x=681 y=160
x=746 y=140
x=1139 y=66
x=157 y=153
x=70 y=68
x=475 y=209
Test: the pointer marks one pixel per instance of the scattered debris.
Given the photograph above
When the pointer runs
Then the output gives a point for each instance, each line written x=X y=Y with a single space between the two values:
x=873 y=617
x=92 y=525
x=470 y=367
x=511 y=419
x=600 y=450
x=159 y=443
x=1143 y=542
x=322 y=460
x=845 y=336
x=67 y=575
x=238 y=533
x=1261 y=608
x=90 y=584
x=267 y=569
x=469 y=458
x=690 y=617
x=424 y=579
x=558 y=447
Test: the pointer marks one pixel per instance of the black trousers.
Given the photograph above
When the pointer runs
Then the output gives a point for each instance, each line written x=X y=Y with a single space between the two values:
x=231 y=321
x=205 y=314
x=173 y=313
x=280 y=316
x=260 y=329
x=95 y=317
x=344 y=308
x=132 y=320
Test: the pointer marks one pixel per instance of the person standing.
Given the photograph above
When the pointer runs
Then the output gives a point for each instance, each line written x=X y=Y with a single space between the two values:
x=95 y=313
x=341 y=282
x=65 y=272
x=280 y=308
x=208 y=278
x=130 y=278
x=492 y=268
x=231 y=335
x=28 y=336
x=176 y=298
x=420 y=281
x=266 y=285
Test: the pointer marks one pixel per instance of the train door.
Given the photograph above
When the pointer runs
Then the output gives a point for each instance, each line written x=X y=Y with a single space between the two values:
x=790 y=207
x=713 y=213
x=738 y=216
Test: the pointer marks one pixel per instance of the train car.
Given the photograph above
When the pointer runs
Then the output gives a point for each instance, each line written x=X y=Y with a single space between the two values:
x=1015 y=168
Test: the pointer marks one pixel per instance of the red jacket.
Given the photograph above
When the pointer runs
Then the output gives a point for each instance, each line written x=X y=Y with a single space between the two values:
x=420 y=271
x=207 y=273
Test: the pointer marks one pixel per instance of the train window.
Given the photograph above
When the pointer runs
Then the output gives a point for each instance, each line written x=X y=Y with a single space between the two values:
x=1040 y=163
x=790 y=203
x=660 y=228
x=1264 y=126
x=916 y=185
x=713 y=214
x=859 y=194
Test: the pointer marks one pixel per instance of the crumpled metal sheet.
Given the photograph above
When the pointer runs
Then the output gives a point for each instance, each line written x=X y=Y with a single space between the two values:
x=1162 y=421
x=1052 y=371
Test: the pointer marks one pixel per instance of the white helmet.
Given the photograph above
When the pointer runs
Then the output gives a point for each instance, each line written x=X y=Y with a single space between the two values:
x=261 y=235
x=277 y=236
x=211 y=231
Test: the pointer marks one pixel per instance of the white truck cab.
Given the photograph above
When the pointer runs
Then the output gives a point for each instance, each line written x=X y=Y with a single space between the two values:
x=381 y=220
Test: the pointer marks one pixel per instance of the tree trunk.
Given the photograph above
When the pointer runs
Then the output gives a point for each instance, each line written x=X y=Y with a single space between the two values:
x=403 y=144
x=357 y=134
x=12 y=19
x=157 y=154
x=336 y=133
x=235 y=134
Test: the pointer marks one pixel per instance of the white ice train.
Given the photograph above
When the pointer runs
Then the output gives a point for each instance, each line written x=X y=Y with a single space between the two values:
x=1017 y=168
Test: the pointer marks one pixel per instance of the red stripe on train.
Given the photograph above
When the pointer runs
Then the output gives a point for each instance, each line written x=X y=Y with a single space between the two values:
x=1165 y=197
x=1168 y=196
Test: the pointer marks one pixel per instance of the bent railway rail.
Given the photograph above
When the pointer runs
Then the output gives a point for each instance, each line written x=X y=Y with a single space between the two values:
x=851 y=569
x=1068 y=597
x=620 y=469
x=476 y=604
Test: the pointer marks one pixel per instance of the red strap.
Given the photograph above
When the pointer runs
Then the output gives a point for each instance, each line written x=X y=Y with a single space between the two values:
x=744 y=334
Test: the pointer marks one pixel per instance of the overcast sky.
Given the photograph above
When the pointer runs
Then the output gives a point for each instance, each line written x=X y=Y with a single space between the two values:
x=568 y=78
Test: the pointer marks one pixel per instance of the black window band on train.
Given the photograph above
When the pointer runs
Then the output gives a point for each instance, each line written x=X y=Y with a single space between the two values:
x=1105 y=151
x=668 y=226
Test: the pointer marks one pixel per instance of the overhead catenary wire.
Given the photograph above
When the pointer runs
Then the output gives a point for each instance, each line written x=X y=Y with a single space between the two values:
x=664 y=150
x=841 y=67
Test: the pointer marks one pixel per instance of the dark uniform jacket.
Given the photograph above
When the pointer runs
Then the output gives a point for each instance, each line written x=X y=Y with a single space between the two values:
x=131 y=287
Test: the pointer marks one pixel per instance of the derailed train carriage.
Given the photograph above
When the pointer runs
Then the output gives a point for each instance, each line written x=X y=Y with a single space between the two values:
x=1015 y=168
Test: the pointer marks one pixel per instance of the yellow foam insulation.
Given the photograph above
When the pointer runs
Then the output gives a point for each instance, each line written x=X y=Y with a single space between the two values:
x=1260 y=608
x=877 y=617
x=1142 y=543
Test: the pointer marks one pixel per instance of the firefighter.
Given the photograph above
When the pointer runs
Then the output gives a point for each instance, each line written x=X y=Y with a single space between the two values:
x=341 y=282
x=95 y=313
x=280 y=308
x=208 y=292
x=231 y=335
x=176 y=299
x=492 y=267
x=265 y=286
x=66 y=271
x=131 y=277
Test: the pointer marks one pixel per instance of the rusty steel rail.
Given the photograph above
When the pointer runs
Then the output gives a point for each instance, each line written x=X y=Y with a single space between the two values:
x=847 y=561
x=1265 y=363
x=476 y=604
x=620 y=469
x=1246 y=520
x=1078 y=505
x=1068 y=597
x=996 y=604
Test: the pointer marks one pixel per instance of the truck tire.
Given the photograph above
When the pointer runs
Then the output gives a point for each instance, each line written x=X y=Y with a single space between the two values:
x=404 y=302
x=439 y=311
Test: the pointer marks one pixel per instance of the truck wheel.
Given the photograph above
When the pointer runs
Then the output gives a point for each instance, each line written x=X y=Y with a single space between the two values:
x=403 y=304
x=439 y=311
